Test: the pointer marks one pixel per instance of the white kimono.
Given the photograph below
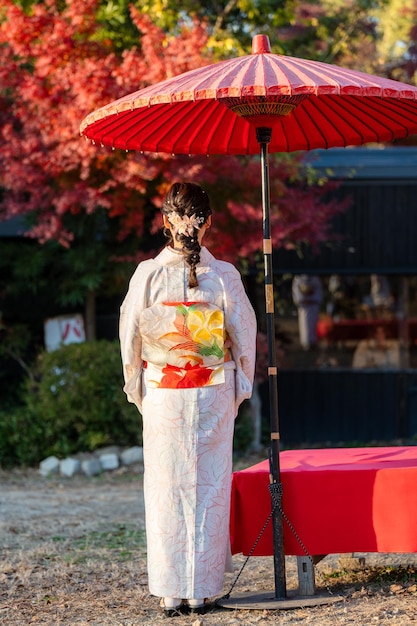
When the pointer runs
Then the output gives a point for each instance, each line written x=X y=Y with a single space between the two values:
x=188 y=359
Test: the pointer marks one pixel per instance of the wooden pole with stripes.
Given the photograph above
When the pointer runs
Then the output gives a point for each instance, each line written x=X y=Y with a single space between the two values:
x=263 y=136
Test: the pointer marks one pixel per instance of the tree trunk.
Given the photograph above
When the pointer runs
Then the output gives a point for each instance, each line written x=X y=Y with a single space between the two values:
x=90 y=316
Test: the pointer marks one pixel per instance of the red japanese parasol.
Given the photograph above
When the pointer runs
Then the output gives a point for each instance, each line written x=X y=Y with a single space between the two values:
x=308 y=104
x=249 y=105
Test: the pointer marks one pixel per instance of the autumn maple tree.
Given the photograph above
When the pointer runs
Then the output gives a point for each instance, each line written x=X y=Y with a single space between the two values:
x=54 y=70
x=57 y=64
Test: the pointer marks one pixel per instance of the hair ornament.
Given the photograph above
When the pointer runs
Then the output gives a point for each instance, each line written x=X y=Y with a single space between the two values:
x=184 y=225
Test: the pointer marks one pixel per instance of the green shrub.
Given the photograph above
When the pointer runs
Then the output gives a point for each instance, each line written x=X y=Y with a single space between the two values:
x=74 y=403
x=21 y=438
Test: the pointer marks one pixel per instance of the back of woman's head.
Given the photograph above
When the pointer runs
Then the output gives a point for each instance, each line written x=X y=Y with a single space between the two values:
x=187 y=207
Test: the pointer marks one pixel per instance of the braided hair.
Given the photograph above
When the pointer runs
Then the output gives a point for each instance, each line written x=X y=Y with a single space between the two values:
x=187 y=207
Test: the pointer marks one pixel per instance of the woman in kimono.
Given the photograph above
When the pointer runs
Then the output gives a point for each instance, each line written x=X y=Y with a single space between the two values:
x=188 y=333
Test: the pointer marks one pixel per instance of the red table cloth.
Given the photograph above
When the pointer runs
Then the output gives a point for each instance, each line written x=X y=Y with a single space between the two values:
x=345 y=330
x=339 y=500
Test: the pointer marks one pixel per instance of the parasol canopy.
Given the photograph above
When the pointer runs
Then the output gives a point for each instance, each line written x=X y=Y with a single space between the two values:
x=216 y=109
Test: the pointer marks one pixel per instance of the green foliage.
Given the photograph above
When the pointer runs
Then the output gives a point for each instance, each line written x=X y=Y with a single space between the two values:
x=72 y=398
x=117 y=24
x=74 y=402
x=244 y=430
x=231 y=24
x=21 y=437
x=59 y=280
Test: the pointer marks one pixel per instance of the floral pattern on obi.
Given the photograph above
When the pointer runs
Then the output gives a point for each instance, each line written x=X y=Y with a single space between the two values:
x=183 y=344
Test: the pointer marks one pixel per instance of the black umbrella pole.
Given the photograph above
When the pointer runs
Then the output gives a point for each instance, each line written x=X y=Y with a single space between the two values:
x=263 y=136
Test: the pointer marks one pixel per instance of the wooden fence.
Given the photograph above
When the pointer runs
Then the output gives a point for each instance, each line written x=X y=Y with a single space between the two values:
x=344 y=406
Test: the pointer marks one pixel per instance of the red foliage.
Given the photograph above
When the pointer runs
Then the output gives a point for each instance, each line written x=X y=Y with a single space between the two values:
x=54 y=69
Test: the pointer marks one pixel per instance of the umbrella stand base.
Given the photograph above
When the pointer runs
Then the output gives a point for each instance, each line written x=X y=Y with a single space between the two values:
x=265 y=600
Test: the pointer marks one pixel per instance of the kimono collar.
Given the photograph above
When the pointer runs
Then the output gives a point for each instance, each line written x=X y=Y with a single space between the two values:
x=169 y=256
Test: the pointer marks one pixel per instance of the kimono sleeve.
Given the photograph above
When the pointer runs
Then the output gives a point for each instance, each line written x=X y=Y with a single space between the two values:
x=130 y=339
x=240 y=322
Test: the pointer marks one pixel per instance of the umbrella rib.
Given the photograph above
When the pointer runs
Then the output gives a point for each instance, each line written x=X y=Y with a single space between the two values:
x=312 y=103
x=370 y=109
x=234 y=126
x=190 y=124
x=127 y=128
x=394 y=105
x=336 y=102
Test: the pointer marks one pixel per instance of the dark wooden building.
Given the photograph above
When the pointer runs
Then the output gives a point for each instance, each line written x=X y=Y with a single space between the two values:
x=376 y=234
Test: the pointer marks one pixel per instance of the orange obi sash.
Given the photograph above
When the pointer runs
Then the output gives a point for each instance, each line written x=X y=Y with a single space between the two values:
x=183 y=344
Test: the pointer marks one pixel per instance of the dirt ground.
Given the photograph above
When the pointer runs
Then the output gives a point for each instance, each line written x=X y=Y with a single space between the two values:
x=73 y=553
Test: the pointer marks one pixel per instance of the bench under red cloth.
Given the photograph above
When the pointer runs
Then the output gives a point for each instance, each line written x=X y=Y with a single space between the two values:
x=339 y=500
